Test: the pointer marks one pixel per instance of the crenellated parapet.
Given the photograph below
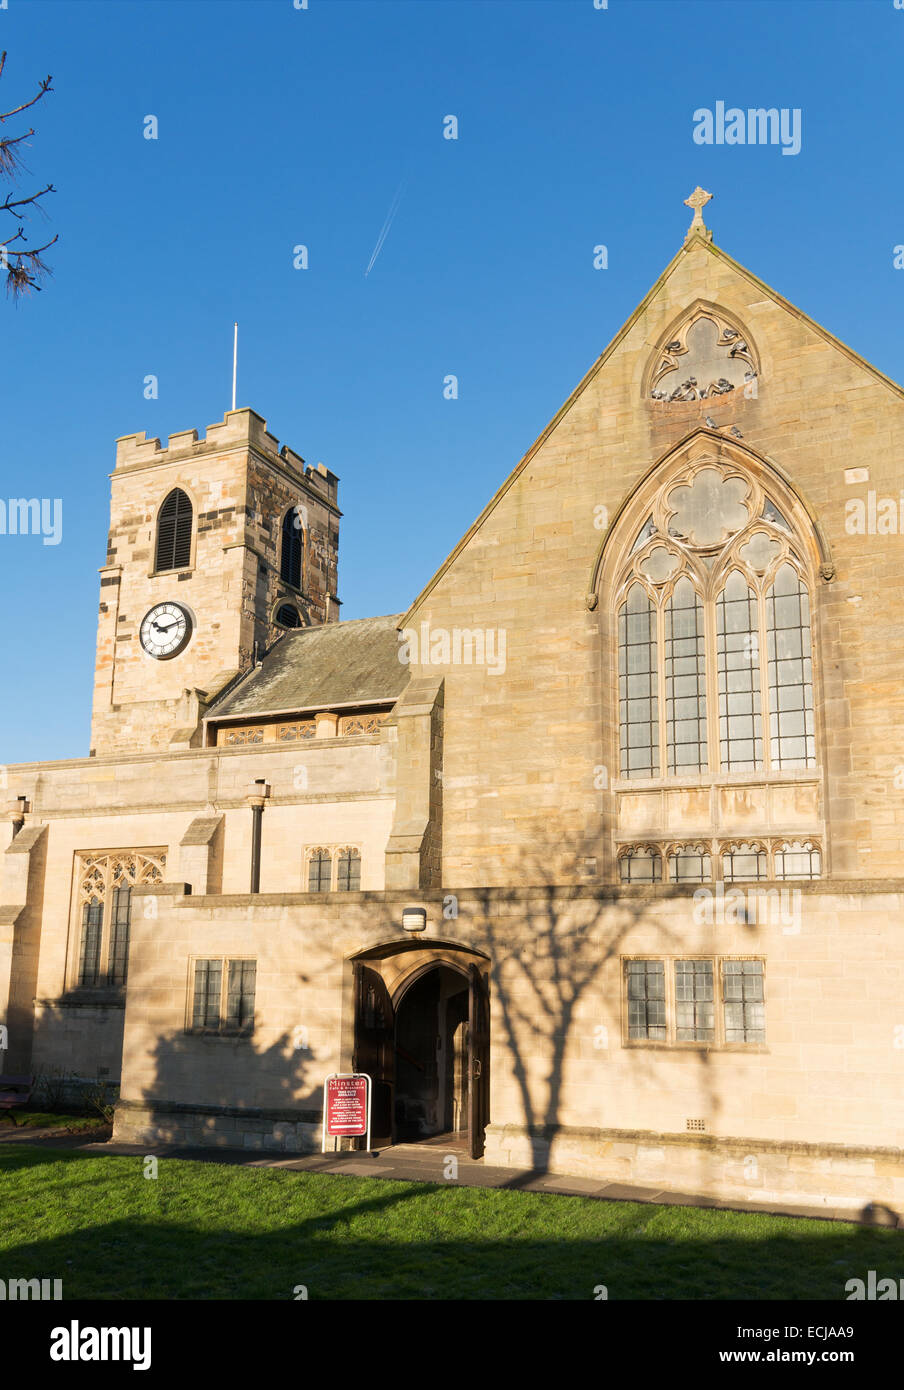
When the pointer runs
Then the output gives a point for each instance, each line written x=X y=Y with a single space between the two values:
x=238 y=429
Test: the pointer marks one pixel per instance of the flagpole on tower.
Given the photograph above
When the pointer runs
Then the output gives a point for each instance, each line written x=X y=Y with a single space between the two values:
x=235 y=359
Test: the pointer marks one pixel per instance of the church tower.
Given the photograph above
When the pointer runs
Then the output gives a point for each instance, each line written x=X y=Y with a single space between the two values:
x=216 y=546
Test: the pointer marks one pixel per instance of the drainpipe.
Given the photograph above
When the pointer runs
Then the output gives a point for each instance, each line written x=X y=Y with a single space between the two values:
x=18 y=814
x=260 y=790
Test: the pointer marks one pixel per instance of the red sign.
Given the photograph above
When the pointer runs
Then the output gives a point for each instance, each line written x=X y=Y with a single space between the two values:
x=346 y=1105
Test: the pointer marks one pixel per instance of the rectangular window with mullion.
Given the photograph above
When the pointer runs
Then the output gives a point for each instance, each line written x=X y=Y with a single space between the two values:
x=223 y=996
x=704 y=990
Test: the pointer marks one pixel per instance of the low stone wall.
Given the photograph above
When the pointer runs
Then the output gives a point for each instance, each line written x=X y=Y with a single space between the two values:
x=288 y=1131
x=833 y=1176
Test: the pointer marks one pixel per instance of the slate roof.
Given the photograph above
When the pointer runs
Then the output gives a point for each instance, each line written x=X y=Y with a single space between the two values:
x=320 y=668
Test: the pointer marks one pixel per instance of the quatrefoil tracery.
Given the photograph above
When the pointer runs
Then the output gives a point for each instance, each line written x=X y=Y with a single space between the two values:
x=704 y=523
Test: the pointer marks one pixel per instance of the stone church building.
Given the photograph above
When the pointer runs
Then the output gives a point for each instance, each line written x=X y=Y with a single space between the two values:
x=591 y=859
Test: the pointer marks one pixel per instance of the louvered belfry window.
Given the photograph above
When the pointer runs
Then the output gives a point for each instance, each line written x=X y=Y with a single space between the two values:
x=174 y=532
x=292 y=542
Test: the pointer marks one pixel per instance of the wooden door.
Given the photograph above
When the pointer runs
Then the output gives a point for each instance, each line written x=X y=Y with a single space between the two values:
x=375 y=1047
x=478 y=1060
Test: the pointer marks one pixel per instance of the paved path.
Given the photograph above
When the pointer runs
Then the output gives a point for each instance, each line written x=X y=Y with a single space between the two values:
x=428 y=1163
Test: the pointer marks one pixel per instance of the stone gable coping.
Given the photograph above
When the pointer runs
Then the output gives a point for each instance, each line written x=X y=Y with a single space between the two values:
x=695 y=244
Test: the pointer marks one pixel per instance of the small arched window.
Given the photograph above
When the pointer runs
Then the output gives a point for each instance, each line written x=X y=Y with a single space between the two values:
x=174 y=532
x=292 y=548
x=287 y=616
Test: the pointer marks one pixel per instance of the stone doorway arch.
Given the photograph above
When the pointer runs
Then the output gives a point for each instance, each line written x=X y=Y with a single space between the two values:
x=421 y=1031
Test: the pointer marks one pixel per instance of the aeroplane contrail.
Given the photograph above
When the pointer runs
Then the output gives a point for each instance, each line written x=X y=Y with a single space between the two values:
x=384 y=230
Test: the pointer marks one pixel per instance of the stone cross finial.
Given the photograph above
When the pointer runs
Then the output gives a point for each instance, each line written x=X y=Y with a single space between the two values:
x=698 y=200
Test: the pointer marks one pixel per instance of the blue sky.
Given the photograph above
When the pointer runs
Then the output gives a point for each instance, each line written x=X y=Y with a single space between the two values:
x=281 y=126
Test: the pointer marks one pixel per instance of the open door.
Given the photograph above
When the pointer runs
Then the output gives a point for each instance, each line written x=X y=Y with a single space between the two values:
x=478 y=1060
x=375 y=1047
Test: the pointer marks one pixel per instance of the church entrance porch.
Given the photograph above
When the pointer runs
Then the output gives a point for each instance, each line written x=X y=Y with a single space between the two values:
x=422 y=1035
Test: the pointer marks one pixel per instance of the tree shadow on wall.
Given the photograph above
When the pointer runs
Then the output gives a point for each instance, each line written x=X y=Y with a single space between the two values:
x=557 y=944
x=212 y=1082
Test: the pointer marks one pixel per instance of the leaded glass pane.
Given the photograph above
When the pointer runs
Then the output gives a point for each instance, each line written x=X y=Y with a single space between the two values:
x=690 y=864
x=119 y=946
x=792 y=728
x=349 y=871
x=208 y=984
x=742 y=994
x=240 y=994
x=694 y=1008
x=646 y=999
x=685 y=681
x=738 y=668
x=640 y=866
x=89 y=951
x=320 y=869
x=637 y=683
x=798 y=859
x=744 y=864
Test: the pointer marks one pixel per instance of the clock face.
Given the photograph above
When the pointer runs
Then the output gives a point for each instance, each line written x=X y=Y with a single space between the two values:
x=165 y=631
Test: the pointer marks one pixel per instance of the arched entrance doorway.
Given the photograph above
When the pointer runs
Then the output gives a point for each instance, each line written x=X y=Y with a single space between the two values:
x=431 y=1056
x=422 y=1033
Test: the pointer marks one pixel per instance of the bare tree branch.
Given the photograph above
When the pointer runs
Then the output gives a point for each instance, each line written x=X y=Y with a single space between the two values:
x=45 y=87
x=23 y=267
x=11 y=204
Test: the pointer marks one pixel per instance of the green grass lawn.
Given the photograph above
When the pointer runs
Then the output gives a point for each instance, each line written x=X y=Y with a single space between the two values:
x=205 y=1230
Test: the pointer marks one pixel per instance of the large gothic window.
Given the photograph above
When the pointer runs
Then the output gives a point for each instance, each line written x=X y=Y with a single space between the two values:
x=713 y=603
x=174 y=526
x=105 y=884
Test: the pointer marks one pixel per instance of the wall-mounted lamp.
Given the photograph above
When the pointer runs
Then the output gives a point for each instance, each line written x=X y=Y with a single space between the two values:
x=414 y=919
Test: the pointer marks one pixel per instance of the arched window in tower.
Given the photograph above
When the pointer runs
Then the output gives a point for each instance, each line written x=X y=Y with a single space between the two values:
x=292 y=548
x=174 y=526
x=714 y=646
